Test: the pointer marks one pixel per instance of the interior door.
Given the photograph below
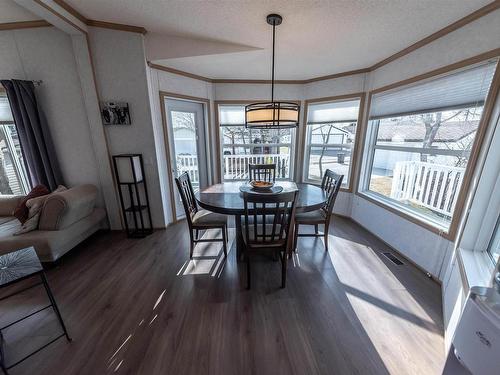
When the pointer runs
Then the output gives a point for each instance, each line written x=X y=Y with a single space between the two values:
x=187 y=144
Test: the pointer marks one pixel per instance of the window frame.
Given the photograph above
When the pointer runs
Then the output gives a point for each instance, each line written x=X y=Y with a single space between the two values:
x=369 y=140
x=361 y=96
x=220 y=160
x=20 y=170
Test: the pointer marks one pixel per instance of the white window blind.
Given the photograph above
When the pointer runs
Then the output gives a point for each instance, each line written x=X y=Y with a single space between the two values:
x=5 y=113
x=231 y=115
x=466 y=88
x=342 y=111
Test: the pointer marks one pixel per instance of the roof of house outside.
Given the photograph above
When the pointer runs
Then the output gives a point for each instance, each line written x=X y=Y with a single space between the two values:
x=452 y=131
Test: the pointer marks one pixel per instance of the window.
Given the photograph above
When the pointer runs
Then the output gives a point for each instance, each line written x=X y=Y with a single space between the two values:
x=420 y=139
x=241 y=146
x=494 y=247
x=330 y=136
x=13 y=177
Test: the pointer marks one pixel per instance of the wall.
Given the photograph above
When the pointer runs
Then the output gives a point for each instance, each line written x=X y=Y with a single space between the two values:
x=121 y=75
x=430 y=251
x=47 y=54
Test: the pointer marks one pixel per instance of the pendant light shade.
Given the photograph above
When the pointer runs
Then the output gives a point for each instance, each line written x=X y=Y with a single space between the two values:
x=272 y=115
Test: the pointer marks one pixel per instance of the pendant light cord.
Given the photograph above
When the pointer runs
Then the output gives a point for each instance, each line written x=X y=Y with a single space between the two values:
x=272 y=69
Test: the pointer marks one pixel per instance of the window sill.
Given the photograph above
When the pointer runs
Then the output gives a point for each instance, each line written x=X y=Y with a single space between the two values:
x=405 y=213
x=475 y=268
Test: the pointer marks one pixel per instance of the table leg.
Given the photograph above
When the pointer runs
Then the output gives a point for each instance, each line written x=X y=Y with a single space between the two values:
x=54 y=304
x=239 y=237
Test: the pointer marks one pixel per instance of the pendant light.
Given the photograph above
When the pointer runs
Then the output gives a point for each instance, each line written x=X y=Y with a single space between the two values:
x=272 y=115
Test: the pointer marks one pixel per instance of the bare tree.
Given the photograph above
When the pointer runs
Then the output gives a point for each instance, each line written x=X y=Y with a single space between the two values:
x=433 y=122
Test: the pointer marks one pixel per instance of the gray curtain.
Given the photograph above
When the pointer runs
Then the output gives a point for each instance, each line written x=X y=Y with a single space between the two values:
x=34 y=136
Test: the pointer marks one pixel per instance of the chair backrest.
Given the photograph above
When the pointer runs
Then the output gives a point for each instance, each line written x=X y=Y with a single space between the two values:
x=262 y=172
x=268 y=219
x=187 y=195
x=331 y=184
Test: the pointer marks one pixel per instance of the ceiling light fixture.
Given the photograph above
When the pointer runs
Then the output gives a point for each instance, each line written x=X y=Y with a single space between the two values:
x=272 y=115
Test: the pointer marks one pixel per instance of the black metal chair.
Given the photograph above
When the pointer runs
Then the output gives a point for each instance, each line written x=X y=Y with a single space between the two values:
x=266 y=227
x=262 y=172
x=199 y=219
x=331 y=184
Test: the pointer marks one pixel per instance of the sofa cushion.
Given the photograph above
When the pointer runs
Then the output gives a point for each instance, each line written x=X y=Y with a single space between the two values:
x=67 y=207
x=21 y=212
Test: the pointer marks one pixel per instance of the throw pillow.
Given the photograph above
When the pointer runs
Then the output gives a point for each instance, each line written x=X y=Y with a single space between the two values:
x=35 y=206
x=22 y=212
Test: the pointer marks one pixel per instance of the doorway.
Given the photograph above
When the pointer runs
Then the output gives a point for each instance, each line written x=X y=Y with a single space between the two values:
x=187 y=145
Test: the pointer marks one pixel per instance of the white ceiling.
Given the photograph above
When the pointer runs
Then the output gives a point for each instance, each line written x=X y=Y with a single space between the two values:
x=317 y=37
x=12 y=12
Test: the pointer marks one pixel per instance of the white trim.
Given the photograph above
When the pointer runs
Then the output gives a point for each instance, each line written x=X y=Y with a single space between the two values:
x=476 y=267
x=404 y=209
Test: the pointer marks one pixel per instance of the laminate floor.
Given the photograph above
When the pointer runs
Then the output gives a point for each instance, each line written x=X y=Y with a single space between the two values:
x=138 y=307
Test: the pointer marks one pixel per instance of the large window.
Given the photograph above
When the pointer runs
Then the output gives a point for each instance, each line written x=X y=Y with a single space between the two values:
x=13 y=177
x=420 y=139
x=330 y=136
x=241 y=146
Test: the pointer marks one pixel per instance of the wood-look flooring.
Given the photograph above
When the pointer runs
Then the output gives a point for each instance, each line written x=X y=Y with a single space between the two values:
x=136 y=307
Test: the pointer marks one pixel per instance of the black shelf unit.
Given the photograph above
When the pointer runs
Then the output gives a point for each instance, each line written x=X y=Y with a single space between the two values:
x=134 y=200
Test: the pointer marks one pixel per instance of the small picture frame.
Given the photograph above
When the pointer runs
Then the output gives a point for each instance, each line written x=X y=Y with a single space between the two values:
x=115 y=113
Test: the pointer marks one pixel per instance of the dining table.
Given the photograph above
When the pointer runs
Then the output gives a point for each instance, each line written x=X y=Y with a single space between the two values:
x=226 y=198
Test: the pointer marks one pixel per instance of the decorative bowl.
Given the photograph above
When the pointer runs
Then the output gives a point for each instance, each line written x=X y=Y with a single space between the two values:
x=261 y=185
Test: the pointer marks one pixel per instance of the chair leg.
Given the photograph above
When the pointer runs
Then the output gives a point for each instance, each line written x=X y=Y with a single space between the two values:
x=191 y=244
x=197 y=234
x=284 y=260
x=224 y=240
x=227 y=233
x=295 y=237
x=316 y=229
x=326 y=237
x=248 y=271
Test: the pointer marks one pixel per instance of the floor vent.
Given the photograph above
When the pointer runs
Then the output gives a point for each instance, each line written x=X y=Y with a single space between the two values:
x=393 y=259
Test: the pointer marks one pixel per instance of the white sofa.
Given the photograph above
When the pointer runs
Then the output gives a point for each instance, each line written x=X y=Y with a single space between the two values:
x=67 y=218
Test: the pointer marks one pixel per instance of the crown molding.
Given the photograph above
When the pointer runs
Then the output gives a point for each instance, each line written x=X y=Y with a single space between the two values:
x=96 y=23
x=23 y=25
x=178 y=72
x=68 y=8
x=481 y=12
x=116 y=26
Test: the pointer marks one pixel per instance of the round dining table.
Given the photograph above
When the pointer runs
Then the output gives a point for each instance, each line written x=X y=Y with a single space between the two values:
x=226 y=198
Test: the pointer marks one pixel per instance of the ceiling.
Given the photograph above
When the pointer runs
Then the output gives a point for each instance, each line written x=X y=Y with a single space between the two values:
x=231 y=39
x=12 y=12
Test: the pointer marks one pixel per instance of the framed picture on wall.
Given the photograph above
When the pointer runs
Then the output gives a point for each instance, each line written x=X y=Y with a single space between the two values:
x=115 y=113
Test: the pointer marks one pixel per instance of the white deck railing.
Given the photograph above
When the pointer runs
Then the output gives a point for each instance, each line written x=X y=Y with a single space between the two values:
x=236 y=166
x=188 y=163
x=433 y=186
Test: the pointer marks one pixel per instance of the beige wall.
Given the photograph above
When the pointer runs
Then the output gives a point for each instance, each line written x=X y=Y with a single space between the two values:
x=47 y=54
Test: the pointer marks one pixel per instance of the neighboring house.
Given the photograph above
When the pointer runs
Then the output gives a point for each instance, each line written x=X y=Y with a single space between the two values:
x=453 y=135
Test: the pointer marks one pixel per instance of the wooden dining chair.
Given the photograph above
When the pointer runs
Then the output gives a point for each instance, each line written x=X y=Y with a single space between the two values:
x=268 y=219
x=199 y=219
x=262 y=172
x=330 y=184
